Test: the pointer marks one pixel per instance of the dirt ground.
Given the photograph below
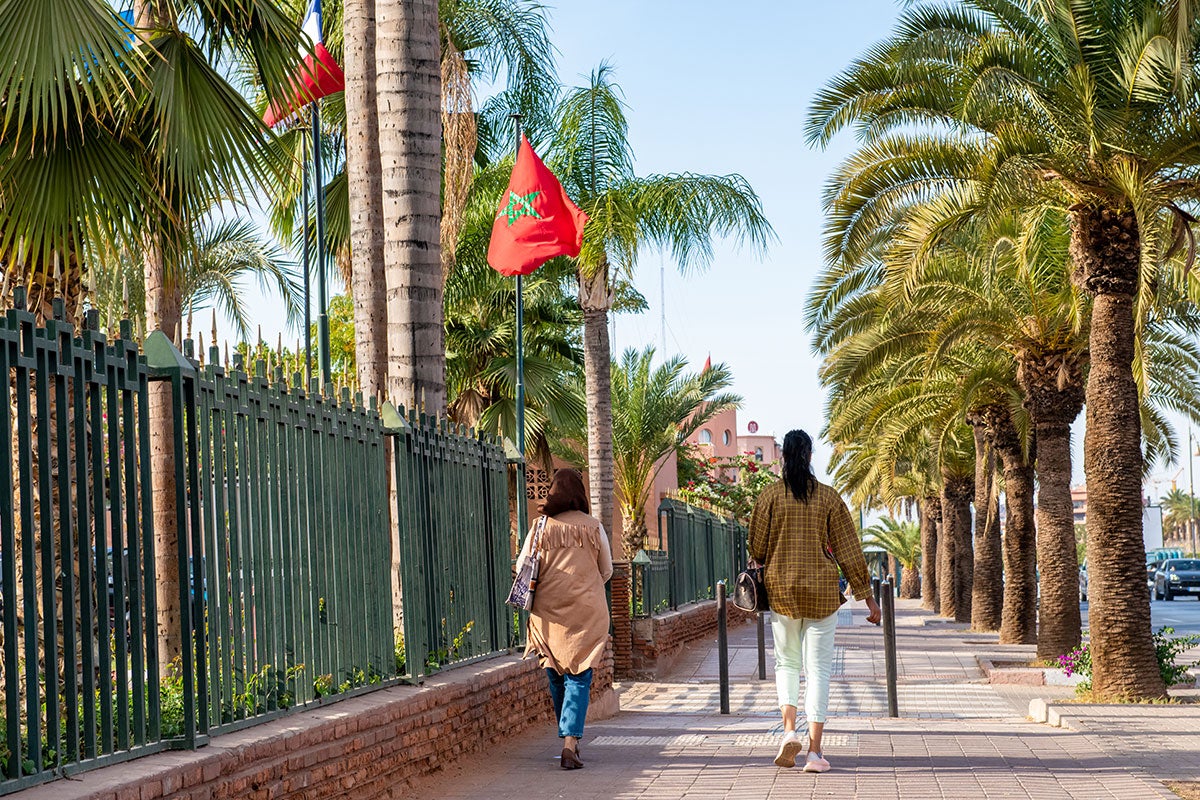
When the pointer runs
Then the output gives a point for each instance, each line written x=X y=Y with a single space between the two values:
x=1187 y=791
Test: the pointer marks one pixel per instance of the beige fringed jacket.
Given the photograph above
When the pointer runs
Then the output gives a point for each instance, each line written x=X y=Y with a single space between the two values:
x=568 y=625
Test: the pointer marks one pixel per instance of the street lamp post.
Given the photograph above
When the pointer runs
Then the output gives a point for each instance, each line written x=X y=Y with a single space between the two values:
x=1191 y=494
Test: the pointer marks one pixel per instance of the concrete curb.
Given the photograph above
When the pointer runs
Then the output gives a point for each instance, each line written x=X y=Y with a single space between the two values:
x=1049 y=713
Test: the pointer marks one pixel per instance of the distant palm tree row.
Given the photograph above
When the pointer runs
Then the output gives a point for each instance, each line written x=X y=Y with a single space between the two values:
x=1009 y=244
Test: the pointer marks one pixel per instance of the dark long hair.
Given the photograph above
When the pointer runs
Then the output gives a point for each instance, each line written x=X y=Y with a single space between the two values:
x=566 y=494
x=797 y=464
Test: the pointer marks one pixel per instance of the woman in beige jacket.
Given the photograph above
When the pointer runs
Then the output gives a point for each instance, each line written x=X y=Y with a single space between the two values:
x=568 y=624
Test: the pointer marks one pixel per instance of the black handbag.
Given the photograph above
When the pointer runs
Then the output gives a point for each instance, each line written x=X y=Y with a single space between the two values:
x=750 y=590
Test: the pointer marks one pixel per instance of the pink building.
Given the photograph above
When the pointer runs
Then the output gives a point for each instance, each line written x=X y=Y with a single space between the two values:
x=718 y=437
x=764 y=448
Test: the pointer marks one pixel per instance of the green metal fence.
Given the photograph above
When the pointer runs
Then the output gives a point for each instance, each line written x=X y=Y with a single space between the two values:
x=452 y=507
x=284 y=539
x=700 y=549
x=77 y=601
x=284 y=557
x=651 y=582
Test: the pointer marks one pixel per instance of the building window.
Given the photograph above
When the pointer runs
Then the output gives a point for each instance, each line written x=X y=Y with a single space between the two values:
x=758 y=454
x=705 y=436
x=726 y=438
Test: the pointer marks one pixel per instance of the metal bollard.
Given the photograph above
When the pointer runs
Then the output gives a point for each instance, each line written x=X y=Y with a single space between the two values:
x=723 y=646
x=762 y=647
x=889 y=646
x=876 y=587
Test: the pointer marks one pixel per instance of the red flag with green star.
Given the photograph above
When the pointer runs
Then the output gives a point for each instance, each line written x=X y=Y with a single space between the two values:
x=536 y=220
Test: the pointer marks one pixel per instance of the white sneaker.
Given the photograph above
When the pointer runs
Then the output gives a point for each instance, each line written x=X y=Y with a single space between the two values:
x=815 y=763
x=789 y=748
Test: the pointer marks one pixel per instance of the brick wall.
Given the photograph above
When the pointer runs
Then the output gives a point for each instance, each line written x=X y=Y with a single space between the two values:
x=371 y=746
x=658 y=640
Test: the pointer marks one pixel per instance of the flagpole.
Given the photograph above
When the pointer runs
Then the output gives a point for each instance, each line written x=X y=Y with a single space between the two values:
x=522 y=502
x=307 y=281
x=322 y=299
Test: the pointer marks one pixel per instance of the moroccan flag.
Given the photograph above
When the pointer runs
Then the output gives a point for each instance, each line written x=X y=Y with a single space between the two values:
x=536 y=220
x=320 y=75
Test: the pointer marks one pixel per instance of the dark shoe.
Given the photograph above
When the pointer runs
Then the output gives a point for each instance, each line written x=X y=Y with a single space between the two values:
x=569 y=760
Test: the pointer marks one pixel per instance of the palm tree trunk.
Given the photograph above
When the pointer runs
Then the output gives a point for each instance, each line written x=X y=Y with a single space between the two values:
x=910 y=583
x=1019 y=619
x=931 y=514
x=1052 y=383
x=164 y=308
x=956 y=571
x=1106 y=247
x=163 y=312
x=634 y=531
x=368 y=278
x=947 y=545
x=1058 y=608
x=597 y=366
x=408 y=72
x=987 y=591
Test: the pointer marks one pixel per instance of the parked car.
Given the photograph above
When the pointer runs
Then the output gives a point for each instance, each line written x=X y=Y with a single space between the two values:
x=1177 y=576
x=1151 y=569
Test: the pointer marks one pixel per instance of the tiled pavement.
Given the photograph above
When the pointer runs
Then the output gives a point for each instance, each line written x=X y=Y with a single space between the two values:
x=957 y=738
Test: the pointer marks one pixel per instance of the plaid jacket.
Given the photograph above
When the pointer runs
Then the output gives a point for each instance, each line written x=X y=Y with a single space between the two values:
x=802 y=545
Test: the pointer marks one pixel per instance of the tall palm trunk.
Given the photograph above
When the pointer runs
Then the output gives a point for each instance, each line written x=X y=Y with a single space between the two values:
x=368 y=281
x=987 y=588
x=1106 y=246
x=931 y=515
x=956 y=577
x=408 y=80
x=954 y=548
x=1052 y=384
x=1019 y=619
x=164 y=313
x=597 y=368
x=633 y=534
x=910 y=583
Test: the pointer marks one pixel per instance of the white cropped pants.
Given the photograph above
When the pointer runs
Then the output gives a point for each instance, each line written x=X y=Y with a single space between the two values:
x=804 y=644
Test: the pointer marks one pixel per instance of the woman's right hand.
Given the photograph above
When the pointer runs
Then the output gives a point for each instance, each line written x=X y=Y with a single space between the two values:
x=874 y=615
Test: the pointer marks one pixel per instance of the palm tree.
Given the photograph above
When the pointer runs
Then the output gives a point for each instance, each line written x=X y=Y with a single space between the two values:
x=210 y=274
x=987 y=592
x=364 y=196
x=1180 y=508
x=480 y=40
x=655 y=410
x=194 y=161
x=1015 y=292
x=107 y=156
x=902 y=541
x=682 y=213
x=408 y=99
x=481 y=354
x=1086 y=106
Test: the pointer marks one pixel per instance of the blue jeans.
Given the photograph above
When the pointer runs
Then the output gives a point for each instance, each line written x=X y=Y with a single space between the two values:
x=570 y=694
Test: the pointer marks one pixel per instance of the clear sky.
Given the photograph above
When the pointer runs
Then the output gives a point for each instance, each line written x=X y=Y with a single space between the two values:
x=720 y=88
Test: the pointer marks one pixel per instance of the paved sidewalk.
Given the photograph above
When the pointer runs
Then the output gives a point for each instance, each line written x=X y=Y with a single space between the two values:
x=958 y=737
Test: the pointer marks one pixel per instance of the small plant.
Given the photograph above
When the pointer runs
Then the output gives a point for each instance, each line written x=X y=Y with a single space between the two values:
x=1167 y=648
x=401 y=658
x=1078 y=662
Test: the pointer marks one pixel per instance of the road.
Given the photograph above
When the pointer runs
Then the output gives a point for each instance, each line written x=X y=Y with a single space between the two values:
x=1183 y=614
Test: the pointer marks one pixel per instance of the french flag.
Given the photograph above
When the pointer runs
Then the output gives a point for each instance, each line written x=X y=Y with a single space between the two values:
x=319 y=77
